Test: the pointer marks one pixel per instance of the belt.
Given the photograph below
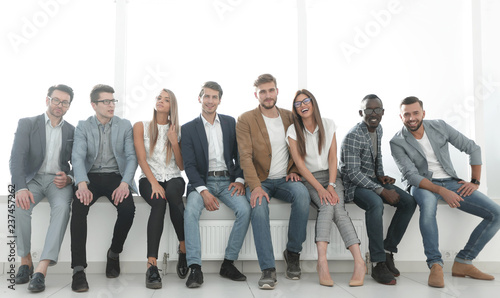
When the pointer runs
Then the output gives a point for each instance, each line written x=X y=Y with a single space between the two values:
x=219 y=173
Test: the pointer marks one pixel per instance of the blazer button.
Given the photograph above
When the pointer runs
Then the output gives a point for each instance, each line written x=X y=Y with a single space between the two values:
x=270 y=155
x=267 y=171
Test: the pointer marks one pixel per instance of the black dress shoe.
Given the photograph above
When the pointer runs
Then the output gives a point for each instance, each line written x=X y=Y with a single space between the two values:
x=195 y=279
x=23 y=274
x=112 y=266
x=389 y=262
x=79 y=283
x=182 y=267
x=228 y=270
x=37 y=282
x=153 y=279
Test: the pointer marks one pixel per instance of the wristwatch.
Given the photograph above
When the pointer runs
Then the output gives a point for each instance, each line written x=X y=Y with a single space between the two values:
x=475 y=181
x=333 y=184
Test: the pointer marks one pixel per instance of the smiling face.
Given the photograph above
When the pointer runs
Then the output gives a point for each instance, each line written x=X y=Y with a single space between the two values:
x=412 y=116
x=370 y=117
x=305 y=109
x=210 y=100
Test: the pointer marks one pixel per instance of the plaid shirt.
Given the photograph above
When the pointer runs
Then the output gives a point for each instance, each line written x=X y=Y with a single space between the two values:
x=357 y=160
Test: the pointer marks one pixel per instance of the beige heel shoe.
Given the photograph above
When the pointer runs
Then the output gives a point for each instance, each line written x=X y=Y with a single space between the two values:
x=324 y=282
x=358 y=283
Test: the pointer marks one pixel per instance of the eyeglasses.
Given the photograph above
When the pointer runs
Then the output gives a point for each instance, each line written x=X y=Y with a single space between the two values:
x=377 y=111
x=106 y=102
x=306 y=101
x=57 y=101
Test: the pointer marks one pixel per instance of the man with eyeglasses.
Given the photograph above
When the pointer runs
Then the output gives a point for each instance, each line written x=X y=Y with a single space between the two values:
x=104 y=163
x=366 y=184
x=420 y=150
x=39 y=165
x=269 y=171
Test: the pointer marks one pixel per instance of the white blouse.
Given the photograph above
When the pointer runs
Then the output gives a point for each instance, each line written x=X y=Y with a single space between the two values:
x=313 y=160
x=158 y=161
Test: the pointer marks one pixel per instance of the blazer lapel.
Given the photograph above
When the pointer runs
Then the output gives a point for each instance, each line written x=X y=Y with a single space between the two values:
x=202 y=136
x=41 y=133
x=262 y=128
x=95 y=133
x=432 y=135
x=366 y=133
x=412 y=141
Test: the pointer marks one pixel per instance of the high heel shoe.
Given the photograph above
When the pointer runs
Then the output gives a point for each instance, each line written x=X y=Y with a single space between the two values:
x=358 y=283
x=324 y=282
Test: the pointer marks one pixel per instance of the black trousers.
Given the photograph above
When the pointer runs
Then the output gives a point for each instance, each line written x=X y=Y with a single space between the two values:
x=174 y=189
x=100 y=185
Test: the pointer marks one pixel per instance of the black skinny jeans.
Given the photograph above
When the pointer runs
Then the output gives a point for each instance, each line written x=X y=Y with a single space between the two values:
x=174 y=189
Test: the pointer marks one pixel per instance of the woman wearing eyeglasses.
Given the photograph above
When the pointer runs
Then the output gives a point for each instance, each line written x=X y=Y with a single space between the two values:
x=313 y=146
x=159 y=156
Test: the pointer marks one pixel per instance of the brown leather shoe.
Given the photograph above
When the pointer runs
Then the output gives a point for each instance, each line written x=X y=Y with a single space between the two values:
x=436 y=277
x=463 y=270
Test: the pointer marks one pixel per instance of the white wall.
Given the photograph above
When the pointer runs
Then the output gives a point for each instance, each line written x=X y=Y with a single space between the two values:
x=439 y=51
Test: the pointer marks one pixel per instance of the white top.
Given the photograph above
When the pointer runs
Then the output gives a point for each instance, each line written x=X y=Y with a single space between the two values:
x=279 y=148
x=215 y=147
x=432 y=162
x=53 y=144
x=158 y=161
x=313 y=160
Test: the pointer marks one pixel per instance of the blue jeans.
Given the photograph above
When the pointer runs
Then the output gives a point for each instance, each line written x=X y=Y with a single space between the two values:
x=373 y=204
x=292 y=192
x=218 y=187
x=477 y=204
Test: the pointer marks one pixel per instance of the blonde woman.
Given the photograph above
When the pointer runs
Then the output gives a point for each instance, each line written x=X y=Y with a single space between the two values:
x=159 y=156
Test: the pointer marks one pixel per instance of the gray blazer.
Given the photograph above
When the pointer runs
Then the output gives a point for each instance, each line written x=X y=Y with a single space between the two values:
x=411 y=159
x=28 y=151
x=86 y=148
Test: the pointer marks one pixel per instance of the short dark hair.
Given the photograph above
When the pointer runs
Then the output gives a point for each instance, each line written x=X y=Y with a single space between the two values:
x=212 y=85
x=98 y=89
x=369 y=97
x=63 y=88
x=411 y=100
x=264 y=78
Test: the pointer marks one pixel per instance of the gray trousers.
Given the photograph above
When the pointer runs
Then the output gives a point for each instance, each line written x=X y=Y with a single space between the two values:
x=327 y=213
x=59 y=199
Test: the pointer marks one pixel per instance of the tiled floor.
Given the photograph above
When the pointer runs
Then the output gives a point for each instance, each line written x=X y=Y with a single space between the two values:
x=410 y=285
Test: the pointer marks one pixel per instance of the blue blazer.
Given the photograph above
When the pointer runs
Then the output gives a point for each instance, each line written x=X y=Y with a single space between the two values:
x=28 y=151
x=411 y=159
x=194 y=146
x=86 y=148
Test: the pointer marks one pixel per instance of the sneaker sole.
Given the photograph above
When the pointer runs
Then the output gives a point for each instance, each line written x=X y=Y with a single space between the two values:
x=156 y=285
x=292 y=277
x=194 y=285
x=266 y=287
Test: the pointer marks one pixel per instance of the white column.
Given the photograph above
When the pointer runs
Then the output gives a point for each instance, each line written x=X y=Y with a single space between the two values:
x=121 y=56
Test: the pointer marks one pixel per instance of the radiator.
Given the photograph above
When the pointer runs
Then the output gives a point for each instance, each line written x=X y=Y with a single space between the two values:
x=215 y=234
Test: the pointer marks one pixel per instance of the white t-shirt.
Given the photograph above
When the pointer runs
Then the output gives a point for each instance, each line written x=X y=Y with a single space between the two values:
x=279 y=148
x=432 y=162
x=313 y=160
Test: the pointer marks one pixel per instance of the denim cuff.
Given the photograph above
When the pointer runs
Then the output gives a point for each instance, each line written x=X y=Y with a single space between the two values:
x=463 y=261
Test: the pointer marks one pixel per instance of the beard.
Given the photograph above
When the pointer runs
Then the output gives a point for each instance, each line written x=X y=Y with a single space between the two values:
x=419 y=123
x=267 y=105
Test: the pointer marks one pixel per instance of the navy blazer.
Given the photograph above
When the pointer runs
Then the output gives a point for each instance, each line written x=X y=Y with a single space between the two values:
x=28 y=151
x=194 y=146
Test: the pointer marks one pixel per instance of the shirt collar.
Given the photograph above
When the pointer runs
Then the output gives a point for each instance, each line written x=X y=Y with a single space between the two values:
x=205 y=120
x=100 y=124
x=47 y=120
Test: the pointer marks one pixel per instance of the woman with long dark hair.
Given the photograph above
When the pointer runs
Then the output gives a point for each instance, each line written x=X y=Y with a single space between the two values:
x=313 y=146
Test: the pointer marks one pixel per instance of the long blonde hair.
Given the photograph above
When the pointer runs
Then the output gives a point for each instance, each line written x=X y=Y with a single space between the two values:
x=173 y=118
